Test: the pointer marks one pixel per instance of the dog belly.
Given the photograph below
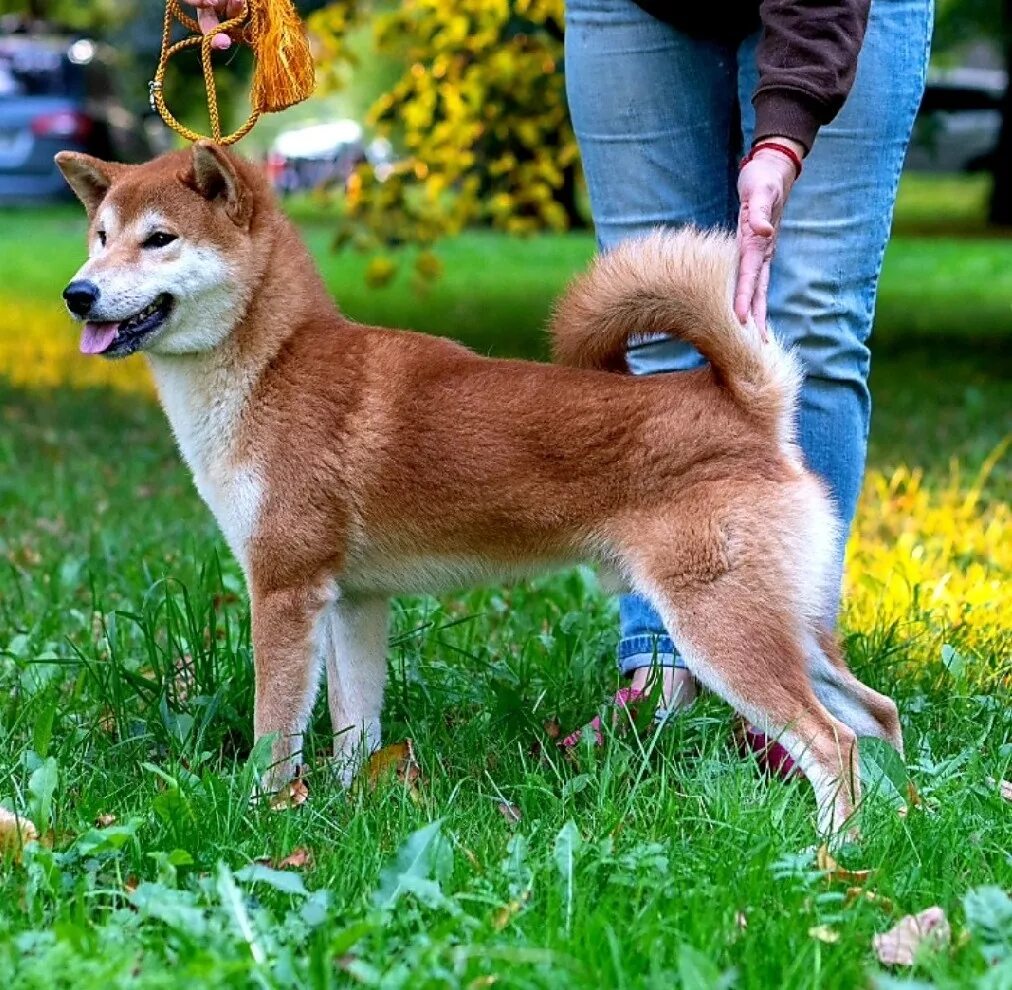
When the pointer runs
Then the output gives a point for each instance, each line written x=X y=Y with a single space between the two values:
x=407 y=575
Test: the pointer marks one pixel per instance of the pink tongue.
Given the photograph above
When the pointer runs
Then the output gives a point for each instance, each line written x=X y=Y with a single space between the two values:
x=97 y=337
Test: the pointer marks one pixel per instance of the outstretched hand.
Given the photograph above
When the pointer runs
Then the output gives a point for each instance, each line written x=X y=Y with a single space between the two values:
x=210 y=13
x=764 y=184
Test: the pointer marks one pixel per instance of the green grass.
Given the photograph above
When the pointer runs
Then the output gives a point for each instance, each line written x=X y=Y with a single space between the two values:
x=631 y=868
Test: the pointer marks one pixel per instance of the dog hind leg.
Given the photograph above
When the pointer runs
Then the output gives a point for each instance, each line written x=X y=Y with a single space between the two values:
x=866 y=711
x=738 y=637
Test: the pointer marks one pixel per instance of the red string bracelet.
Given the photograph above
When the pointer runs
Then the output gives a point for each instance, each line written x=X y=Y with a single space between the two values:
x=775 y=146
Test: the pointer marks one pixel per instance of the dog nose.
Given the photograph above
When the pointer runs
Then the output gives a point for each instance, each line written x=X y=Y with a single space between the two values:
x=80 y=296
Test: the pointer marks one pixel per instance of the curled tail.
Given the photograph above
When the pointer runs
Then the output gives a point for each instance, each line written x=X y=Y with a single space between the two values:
x=678 y=283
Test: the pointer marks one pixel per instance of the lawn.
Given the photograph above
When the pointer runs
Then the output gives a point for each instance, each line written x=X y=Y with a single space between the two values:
x=126 y=693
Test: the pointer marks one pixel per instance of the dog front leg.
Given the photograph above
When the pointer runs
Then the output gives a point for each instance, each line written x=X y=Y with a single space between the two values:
x=355 y=652
x=287 y=668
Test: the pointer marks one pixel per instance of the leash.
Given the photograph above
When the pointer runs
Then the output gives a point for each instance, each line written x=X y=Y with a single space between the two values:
x=283 y=72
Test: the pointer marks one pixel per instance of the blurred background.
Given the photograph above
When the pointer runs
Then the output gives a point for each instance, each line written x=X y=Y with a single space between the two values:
x=435 y=177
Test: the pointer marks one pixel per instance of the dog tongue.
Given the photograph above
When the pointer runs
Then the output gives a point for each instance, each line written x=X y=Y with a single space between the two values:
x=97 y=337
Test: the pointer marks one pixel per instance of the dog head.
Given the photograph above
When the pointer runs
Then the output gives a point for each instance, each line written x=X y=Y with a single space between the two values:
x=171 y=249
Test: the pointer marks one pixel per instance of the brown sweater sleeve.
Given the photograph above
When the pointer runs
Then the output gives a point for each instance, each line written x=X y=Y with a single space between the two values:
x=807 y=59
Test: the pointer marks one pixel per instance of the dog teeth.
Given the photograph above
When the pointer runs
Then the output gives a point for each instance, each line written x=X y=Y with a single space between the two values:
x=140 y=317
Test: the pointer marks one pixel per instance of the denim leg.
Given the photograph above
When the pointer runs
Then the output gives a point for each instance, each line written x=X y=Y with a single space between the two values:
x=656 y=117
x=833 y=238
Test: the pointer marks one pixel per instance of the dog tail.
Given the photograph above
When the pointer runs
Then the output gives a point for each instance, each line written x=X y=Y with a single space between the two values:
x=679 y=283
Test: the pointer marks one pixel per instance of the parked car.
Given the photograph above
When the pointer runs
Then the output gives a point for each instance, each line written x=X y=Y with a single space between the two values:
x=59 y=93
x=959 y=120
x=321 y=155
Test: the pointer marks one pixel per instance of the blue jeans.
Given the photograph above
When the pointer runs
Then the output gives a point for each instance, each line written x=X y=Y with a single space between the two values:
x=662 y=119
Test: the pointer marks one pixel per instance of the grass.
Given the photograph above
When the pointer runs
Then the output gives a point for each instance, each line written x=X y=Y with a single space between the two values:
x=126 y=687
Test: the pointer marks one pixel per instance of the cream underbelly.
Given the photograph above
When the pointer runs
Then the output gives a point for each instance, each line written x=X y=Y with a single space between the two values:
x=410 y=574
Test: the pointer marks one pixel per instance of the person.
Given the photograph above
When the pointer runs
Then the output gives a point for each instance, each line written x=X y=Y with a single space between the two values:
x=664 y=98
x=210 y=13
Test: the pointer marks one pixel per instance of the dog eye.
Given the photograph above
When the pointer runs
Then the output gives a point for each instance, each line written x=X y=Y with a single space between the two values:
x=158 y=239
x=101 y=237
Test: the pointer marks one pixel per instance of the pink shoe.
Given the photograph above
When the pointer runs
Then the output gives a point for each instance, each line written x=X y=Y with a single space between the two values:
x=624 y=698
x=772 y=758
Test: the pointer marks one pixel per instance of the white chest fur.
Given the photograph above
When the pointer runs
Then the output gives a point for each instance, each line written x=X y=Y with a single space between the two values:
x=204 y=404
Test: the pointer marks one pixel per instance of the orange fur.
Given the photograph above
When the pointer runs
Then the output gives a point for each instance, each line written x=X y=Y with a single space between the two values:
x=349 y=463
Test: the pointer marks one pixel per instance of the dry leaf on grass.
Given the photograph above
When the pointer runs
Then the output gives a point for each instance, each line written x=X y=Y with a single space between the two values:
x=509 y=811
x=472 y=859
x=824 y=933
x=741 y=920
x=397 y=758
x=292 y=795
x=1004 y=787
x=914 y=800
x=863 y=894
x=295 y=860
x=553 y=730
x=479 y=982
x=184 y=677
x=825 y=862
x=899 y=945
x=507 y=912
x=104 y=821
x=14 y=833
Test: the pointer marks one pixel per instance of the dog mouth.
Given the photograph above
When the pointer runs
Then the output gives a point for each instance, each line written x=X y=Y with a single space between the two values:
x=123 y=337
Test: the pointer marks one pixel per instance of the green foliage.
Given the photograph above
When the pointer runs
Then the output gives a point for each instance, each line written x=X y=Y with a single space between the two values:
x=959 y=21
x=480 y=114
x=90 y=15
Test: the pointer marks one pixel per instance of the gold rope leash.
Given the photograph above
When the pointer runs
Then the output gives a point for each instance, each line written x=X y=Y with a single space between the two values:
x=282 y=76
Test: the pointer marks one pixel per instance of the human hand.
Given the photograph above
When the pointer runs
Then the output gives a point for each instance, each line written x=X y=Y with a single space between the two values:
x=764 y=184
x=210 y=13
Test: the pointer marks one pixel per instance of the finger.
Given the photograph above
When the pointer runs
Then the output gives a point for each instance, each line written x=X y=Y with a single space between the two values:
x=759 y=300
x=208 y=20
x=750 y=259
x=760 y=214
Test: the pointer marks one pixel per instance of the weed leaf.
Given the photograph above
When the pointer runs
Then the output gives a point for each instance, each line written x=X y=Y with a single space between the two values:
x=423 y=855
x=175 y=908
x=283 y=880
x=989 y=917
x=41 y=787
x=698 y=972
x=567 y=845
x=883 y=770
x=232 y=899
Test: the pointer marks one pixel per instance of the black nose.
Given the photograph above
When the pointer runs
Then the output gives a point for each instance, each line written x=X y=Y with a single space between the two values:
x=80 y=295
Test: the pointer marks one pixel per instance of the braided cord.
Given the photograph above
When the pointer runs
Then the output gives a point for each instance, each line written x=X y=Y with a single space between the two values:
x=157 y=88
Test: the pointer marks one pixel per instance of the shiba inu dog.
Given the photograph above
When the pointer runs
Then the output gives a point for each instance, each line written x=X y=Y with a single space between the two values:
x=347 y=463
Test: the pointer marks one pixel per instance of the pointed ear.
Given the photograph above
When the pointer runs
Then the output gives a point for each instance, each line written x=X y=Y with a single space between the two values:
x=215 y=176
x=89 y=178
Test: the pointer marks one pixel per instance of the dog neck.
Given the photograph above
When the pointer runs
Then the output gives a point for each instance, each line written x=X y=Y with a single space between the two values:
x=206 y=394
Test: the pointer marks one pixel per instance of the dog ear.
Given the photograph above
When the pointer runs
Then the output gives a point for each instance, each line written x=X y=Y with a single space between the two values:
x=215 y=176
x=89 y=178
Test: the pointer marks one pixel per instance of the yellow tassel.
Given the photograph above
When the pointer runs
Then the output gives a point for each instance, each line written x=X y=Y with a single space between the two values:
x=283 y=74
